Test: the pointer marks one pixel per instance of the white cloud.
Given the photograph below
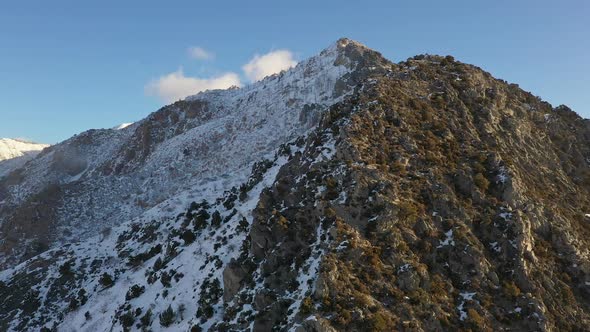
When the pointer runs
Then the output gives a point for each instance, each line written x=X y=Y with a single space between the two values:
x=176 y=86
x=264 y=65
x=200 y=53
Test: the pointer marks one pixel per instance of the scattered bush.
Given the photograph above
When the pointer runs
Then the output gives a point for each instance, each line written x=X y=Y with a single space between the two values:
x=211 y=292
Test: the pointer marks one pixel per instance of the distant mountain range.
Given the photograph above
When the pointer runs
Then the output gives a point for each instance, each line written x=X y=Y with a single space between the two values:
x=14 y=153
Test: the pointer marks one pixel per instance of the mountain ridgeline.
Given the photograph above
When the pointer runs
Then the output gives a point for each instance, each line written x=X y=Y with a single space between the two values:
x=348 y=193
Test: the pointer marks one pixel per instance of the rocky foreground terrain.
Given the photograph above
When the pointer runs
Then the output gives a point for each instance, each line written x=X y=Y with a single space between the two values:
x=349 y=193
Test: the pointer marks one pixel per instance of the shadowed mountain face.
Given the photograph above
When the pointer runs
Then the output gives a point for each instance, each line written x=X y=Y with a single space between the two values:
x=349 y=193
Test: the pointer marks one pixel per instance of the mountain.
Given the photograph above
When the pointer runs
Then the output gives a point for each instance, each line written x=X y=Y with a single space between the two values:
x=348 y=193
x=13 y=148
x=100 y=178
x=15 y=153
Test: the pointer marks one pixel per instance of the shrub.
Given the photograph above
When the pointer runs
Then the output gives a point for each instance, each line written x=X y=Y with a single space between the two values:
x=188 y=237
x=476 y=319
x=448 y=60
x=167 y=317
x=134 y=292
x=200 y=219
x=399 y=168
x=380 y=322
x=165 y=279
x=407 y=212
x=146 y=320
x=66 y=268
x=127 y=320
x=481 y=182
x=331 y=189
x=216 y=219
x=106 y=280
x=243 y=225
x=306 y=305
x=511 y=290
x=74 y=303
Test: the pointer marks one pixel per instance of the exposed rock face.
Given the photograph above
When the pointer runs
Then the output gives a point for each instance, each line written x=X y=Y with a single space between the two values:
x=451 y=201
x=425 y=196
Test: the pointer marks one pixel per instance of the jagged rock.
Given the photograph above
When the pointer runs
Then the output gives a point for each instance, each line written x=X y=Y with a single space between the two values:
x=233 y=274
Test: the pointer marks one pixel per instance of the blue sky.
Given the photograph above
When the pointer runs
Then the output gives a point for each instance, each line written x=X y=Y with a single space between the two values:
x=69 y=66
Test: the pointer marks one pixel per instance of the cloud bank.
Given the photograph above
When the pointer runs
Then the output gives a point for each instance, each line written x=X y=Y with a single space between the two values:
x=264 y=65
x=176 y=86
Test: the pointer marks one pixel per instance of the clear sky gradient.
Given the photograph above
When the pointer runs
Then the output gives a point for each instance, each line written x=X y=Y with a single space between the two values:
x=69 y=66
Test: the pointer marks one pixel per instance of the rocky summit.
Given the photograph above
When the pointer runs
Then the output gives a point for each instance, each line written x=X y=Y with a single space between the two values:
x=349 y=193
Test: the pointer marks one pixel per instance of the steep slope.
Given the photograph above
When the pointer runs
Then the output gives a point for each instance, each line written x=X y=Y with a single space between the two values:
x=100 y=178
x=15 y=153
x=424 y=196
x=453 y=200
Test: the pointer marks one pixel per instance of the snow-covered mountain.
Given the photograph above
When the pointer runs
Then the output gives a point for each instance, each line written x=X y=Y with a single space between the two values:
x=214 y=146
x=348 y=193
x=12 y=148
x=101 y=178
x=14 y=153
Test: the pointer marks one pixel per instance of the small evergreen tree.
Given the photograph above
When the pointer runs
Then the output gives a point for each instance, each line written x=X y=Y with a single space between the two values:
x=127 y=320
x=216 y=219
x=188 y=237
x=106 y=280
x=146 y=320
x=158 y=264
x=167 y=317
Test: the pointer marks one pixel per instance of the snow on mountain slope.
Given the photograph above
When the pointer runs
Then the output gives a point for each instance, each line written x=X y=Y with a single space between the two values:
x=127 y=255
x=123 y=125
x=12 y=148
x=101 y=178
x=15 y=153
